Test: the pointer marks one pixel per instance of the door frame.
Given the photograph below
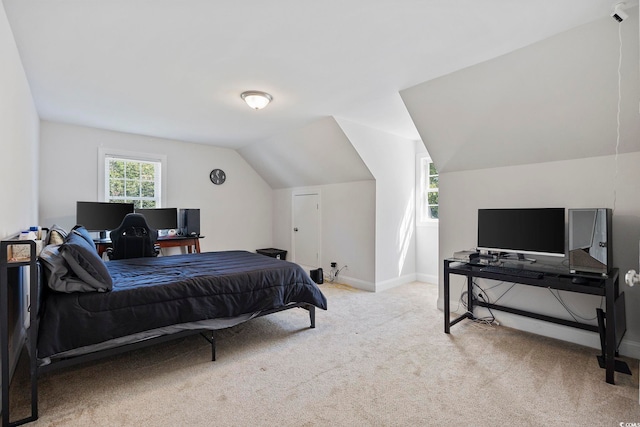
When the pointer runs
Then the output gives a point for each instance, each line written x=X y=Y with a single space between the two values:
x=304 y=192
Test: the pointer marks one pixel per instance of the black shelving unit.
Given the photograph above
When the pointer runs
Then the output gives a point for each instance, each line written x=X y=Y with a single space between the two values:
x=5 y=265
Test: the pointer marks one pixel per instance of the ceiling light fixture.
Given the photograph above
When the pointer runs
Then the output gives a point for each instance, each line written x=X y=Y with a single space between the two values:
x=256 y=99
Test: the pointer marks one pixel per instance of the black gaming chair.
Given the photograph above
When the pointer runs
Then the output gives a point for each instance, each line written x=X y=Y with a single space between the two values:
x=133 y=239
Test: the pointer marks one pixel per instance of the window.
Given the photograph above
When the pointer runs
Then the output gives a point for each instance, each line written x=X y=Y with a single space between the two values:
x=428 y=190
x=131 y=178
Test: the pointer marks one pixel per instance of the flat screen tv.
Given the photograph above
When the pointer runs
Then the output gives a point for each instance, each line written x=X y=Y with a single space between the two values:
x=101 y=216
x=160 y=218
x=534 y=231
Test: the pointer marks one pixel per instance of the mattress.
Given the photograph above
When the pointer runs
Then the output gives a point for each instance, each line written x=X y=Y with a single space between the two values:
x=152 y=293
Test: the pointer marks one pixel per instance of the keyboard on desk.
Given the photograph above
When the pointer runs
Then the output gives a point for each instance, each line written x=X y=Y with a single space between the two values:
x=511 y=271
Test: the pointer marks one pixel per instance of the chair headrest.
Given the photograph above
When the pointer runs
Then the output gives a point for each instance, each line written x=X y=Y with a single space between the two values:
x=134 y=220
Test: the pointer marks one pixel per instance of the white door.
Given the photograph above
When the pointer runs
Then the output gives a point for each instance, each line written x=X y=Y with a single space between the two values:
x=306 y=216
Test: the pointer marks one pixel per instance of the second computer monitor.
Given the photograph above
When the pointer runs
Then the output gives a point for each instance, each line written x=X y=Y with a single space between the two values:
x=161 y=218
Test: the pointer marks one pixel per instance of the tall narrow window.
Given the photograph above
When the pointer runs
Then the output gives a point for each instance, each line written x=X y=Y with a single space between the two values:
x=131 y=178
x=429 y=190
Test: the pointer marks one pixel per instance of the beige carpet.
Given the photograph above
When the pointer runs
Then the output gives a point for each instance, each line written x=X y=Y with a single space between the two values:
x=374 y=360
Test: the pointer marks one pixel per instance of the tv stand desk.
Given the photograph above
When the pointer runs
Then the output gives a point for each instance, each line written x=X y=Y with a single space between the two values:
x=593 y=285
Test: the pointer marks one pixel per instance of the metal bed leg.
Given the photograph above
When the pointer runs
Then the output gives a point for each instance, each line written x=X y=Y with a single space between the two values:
x=312 y=315
x=212 y=341
x=213 y=346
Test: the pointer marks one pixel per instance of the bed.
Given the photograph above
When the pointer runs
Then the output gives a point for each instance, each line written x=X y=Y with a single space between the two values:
x=153 y=297
x=87 y=309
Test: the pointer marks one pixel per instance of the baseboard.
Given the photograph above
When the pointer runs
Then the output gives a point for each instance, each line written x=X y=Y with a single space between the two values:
x=551 y=330
x=397 y=281
x=379 y=286
x=357 y=283
x=427 y=278
x=565 y=333
x=629 y=348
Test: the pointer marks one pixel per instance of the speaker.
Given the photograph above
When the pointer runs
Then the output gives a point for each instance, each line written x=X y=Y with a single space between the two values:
x=189 y=222
x=590 y=249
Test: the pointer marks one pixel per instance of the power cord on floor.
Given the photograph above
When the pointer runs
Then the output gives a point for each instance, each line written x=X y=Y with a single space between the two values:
x=491 y=319
x=488 y=320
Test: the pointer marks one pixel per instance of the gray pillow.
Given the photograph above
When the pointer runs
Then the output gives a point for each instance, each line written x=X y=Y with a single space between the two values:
x=83 y=260
x=57 y=273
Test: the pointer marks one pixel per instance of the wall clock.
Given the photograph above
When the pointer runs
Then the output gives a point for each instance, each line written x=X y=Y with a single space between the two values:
x=217 y=176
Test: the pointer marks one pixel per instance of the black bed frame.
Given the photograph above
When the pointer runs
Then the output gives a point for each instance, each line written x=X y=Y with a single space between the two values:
x=32 y=333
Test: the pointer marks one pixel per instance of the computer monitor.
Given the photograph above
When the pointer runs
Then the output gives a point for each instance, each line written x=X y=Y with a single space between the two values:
x=101 y=216
x=161 y=218
x=535 y=231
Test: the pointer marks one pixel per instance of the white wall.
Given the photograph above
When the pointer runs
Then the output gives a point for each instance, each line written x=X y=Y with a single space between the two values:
x=316 y=154
x=583 y=183
x=391 y=160
x=18 y=139
x=235 y=215
x=427 y=258
x=347 y=228
x=554 y=100
x=427 y=235
x=19 y=171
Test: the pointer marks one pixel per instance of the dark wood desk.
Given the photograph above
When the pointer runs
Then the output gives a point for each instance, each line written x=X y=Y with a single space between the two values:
x=606 y=287
x=192 y=243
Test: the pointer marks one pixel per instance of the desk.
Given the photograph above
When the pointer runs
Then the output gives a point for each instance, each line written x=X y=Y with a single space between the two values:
x=594 y=285
x=192 y=243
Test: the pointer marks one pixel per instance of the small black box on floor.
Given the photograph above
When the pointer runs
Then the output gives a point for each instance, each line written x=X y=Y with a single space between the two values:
x=273 y=253
x=317 y=276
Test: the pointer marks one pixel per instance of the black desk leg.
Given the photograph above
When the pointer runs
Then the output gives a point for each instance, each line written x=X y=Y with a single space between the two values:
x=448 y=323
x=470 y=297
x=611 y=289
x=447 y=309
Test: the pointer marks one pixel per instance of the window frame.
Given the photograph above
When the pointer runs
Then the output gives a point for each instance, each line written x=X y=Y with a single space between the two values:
x=107 y=153
x=423 y=218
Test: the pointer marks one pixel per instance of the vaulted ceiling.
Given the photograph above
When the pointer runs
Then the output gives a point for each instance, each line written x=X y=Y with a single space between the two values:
x=175 y=69
x=574 y=95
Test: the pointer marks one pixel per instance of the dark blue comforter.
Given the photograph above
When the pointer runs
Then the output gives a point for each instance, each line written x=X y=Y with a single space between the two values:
x=150 y=293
